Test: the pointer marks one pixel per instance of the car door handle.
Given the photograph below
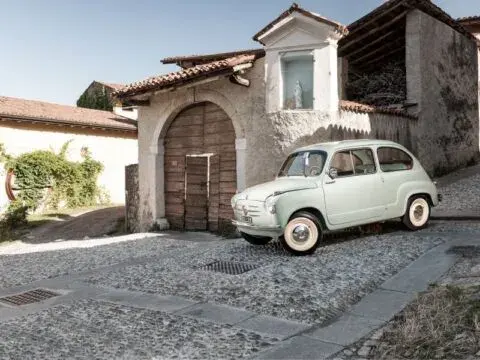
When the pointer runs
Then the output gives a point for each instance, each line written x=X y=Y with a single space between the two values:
x=329 y=181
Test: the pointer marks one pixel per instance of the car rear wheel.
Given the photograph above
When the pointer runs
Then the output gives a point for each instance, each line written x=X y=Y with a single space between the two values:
x=256 y=240
x=302 y=234
x=418 y=213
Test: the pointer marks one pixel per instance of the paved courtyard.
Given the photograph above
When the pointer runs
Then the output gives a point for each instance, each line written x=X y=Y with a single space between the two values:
x=152 y=296
x=147 y=297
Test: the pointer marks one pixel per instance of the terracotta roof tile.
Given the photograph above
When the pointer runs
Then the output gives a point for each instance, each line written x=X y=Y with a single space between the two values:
x=295 y=8
x=469 y=19
x=112 y=85
x=205 y=58
x=185 y=75
x=364 y=108
x=62 y=114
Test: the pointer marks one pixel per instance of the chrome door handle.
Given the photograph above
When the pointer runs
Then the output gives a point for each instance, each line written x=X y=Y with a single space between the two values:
x=329 y=182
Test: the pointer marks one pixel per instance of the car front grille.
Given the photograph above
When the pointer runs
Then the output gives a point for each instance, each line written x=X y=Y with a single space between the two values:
x=253 y=210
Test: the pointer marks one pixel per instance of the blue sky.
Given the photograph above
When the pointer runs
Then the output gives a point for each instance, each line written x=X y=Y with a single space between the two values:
x=53 y=49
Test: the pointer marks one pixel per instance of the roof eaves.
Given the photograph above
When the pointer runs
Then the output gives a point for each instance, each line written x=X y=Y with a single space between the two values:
x=295 y=8
x=426 y=6
x=184 y=76
x=353 y=106
x=213 y=56
x=132 y=128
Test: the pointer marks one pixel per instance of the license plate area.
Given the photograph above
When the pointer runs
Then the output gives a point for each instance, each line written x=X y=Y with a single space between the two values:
x=247 y=219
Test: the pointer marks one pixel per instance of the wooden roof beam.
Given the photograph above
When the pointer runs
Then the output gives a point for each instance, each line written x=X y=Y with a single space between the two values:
x=355 y=52
x=375 y=30
x=366 y=67
x=380 y=50
x=380 y=12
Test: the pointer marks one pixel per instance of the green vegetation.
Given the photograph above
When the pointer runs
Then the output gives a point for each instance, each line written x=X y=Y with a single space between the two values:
x=98 y=100
x=49 y=179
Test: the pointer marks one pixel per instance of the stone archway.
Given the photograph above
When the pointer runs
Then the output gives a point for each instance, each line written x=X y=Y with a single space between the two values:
x=200 y=168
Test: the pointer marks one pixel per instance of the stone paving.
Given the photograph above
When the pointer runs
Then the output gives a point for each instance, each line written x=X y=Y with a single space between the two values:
x=307 y=289
x=461 y=195
x=146 y=298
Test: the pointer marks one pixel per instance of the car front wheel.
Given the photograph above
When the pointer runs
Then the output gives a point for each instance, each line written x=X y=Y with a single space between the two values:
x=256 y=240
x=302 y=234
x=418 y=213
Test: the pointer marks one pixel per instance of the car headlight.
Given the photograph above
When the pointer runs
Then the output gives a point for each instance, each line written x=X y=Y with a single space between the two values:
x=270 y=205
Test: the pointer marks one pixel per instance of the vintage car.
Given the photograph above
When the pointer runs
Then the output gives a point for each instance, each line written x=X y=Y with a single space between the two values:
x=332 y=186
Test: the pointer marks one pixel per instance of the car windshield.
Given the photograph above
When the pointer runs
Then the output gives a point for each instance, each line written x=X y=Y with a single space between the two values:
x=304 y=163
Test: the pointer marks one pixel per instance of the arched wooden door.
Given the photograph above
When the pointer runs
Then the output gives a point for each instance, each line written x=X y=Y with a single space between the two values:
x=200 y=169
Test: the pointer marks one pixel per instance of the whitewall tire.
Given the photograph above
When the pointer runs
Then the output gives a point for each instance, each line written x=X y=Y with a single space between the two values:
x=302 y=234
x=418 y=213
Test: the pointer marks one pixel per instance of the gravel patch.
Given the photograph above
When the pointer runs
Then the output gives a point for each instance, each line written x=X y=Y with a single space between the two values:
x=463 y=194
x=308 y=289
x=23 y=269
x=96 y=330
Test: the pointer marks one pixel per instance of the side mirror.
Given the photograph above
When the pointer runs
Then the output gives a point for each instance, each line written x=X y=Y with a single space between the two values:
x=332 y=172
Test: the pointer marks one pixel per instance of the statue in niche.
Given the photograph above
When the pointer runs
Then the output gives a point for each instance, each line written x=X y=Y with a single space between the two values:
x=298 y=93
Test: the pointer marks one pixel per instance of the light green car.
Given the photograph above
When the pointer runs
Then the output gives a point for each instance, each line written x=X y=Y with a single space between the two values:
x=332 y=186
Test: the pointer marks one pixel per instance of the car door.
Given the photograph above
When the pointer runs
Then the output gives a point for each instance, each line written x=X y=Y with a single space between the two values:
x=396 y=169
x=351 y=196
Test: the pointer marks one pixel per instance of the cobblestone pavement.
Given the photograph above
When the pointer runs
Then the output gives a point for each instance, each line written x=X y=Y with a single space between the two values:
x=461 y=195
x=215 y=315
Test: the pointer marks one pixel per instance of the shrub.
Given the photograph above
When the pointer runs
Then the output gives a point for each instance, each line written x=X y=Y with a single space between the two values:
x=73 y=183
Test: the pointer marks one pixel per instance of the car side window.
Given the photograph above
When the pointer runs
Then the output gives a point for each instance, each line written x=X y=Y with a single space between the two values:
x=354 y=162
x=364 y=162
x=342 y=161
x=393 y=159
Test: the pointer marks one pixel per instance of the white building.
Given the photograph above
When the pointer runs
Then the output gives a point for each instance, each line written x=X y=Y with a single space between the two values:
x=226 y=121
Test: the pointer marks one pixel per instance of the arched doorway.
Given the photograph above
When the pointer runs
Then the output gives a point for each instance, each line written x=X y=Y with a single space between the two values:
x=200 y=169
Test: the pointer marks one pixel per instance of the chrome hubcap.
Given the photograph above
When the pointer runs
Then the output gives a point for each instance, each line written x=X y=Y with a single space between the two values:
x=300 y=233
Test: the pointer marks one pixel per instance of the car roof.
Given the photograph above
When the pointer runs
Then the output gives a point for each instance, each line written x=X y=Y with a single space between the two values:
x=335 y=145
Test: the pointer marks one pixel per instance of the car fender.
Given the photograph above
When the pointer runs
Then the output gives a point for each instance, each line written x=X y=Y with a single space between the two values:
x=411 y=188
x=289 y=203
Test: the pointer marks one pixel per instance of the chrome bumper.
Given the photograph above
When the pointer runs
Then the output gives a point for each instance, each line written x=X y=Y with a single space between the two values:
x=255 y=227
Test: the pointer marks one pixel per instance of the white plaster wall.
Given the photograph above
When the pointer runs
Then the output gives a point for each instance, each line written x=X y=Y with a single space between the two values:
x=300 y=33
x=245 y=107
x=114 y=153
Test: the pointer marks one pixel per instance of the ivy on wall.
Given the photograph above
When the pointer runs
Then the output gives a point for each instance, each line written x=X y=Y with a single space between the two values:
x=71 y=183
x=97 y=100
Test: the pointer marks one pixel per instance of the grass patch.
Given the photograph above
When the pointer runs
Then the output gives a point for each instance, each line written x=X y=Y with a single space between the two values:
x=442 y=323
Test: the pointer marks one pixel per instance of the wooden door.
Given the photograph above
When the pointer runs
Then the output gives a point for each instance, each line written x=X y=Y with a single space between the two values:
x=196 y=193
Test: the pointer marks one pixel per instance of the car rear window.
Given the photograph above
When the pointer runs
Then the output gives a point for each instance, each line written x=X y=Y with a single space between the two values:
x=393 y=159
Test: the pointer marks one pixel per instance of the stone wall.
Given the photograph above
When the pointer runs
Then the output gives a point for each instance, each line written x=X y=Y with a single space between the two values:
x=131 y=198
x=442 y=79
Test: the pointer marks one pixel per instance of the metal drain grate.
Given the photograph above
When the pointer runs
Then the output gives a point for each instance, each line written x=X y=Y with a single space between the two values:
x=28 y=297
x=229 y=267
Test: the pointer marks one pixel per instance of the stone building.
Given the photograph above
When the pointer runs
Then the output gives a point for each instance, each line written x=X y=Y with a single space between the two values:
x=226 y=121
x=27 y=125
x=98 y=90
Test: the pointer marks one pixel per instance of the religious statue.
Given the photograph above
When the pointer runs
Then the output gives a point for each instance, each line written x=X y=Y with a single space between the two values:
x=298 y=95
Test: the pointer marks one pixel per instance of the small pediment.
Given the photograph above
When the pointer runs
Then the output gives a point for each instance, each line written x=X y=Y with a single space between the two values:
x=293 y=37
x=297 y=27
